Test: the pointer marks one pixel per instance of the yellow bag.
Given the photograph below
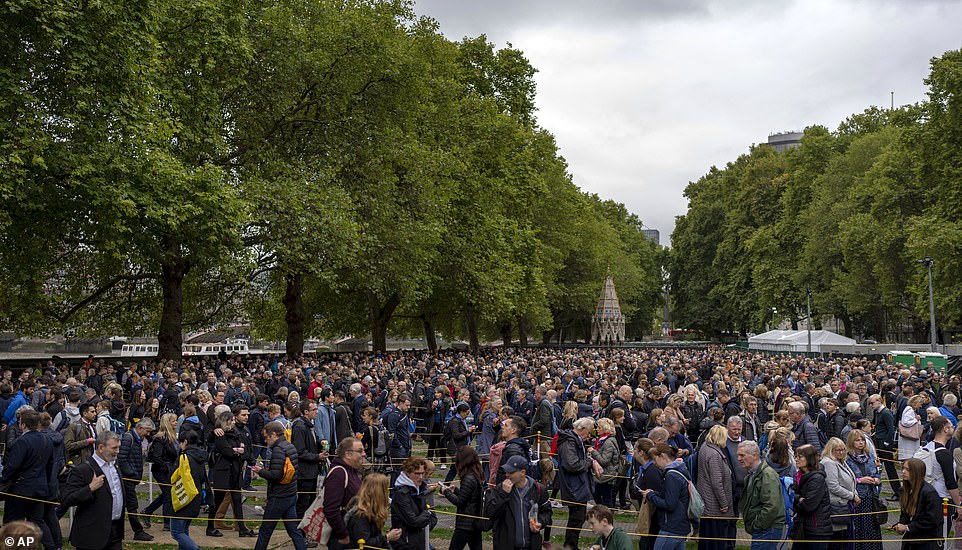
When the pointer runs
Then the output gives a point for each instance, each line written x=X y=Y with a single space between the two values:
x=183 y=491
x=288 y=471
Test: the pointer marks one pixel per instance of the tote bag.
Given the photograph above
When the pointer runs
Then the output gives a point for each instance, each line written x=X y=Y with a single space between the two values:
x=183 y=490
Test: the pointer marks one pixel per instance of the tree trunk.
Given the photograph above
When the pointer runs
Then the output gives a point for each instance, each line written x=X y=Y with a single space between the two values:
x=847 y=325
x=794 y=323
x=294 y=314
x=546 y=337
x=429 y=334
x=522 y=332
x=472 y=326
x=380 y=317
x=170 y=337
x=505 y=329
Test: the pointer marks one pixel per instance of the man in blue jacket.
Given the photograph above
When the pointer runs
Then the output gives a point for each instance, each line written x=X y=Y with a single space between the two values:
x=29 y=467
x=21 y=398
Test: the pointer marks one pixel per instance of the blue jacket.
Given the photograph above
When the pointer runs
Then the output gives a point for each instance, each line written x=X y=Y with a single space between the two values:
x=324 y=424
x=672 y=505
x=29 y=466
x=398 y=427
x=18 y=401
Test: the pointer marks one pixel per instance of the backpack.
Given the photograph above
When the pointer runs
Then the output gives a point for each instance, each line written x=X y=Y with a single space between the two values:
x=787 y=484
x=382 y=441
x=927 y=454
x=484 y=523
x=289 y=471
x=822 y=437
x=494 y=460
x=696 y=506
x=117 y=426
x=64 y=422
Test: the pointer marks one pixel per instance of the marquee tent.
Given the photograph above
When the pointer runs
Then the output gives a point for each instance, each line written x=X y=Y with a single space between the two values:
x=823 y=341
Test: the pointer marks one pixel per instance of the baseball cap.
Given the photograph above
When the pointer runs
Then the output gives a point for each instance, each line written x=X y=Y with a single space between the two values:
x=514 y=464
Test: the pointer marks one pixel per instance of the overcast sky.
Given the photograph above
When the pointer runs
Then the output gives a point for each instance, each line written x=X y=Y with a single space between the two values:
x=644 y=96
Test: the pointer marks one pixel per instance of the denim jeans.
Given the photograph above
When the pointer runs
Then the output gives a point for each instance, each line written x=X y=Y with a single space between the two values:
x=161 y=501
x=773 y=534
x=275 y=509
x=673 y=542
x=179 y=529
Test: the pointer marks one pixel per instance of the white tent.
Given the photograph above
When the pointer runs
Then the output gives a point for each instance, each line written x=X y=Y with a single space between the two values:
x=823 y=341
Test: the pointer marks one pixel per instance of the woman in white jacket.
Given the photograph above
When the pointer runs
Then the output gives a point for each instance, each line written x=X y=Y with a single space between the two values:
x=842 y=490
x=910 y=421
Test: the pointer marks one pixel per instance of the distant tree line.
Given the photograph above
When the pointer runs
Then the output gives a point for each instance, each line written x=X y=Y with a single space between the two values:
x=848 y=214
x=317 y=167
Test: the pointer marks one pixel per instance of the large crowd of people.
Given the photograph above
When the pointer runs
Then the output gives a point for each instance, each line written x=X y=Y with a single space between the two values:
x=352 y=447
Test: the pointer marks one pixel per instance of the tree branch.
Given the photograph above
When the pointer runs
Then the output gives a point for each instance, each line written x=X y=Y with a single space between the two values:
x=103 y=290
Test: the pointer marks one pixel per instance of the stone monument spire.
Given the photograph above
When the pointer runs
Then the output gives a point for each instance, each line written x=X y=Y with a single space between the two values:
x=608 y=323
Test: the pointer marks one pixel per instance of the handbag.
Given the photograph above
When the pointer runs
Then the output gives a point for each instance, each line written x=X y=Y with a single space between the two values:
x=314 y=523
x=841 y=514
x=913 y=432
x=881 y=510
x=183 y=490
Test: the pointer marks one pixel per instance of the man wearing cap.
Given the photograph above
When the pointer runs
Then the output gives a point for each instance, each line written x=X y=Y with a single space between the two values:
x=519 y=508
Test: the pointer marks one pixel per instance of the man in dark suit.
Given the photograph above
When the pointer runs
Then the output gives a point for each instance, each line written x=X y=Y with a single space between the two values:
x=97 y=491
x=28 y=470
x=886 y=442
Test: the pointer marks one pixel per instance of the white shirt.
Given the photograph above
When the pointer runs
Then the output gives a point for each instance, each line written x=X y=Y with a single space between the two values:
x=113 y=482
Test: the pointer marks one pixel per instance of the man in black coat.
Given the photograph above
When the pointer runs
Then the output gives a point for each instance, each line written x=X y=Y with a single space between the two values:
x=29 y=466
x=886 y=442
x=130 y=462
x=304 y=439
x=281 y=496
x=511 y=430
x=95 y=488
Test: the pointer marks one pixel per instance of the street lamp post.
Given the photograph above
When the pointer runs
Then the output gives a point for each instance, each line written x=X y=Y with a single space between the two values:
x=927 y=262
x=774 y=312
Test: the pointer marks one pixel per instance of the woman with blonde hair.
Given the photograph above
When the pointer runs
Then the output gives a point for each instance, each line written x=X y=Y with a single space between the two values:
x=608 y=454
x=715 y=487
x=163 y=454
x=568 y=415
x=842 y=491
x=868 y=480
x=372 y=511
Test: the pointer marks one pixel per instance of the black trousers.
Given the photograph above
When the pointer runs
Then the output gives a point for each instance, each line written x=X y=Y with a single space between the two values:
x=30 y=510
x=576 y=519
x=116 y=540
x=888 y=458
x=306 y=493
x=462 y=538
x=132 y=506
x=717 y=529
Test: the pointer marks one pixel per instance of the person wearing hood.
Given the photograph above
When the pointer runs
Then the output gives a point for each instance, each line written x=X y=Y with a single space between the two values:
x=409 y=510
x=812 y=505
x=575 y=475
x=191 y=421
x=341 y=484
x=671 y=506
x=515 y=445
x=190 y=446
x=519 y=508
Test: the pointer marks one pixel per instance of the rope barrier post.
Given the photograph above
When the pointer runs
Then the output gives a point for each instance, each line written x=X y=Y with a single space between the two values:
x=945 y=517
x=539 y=445
x=71 y=517
x=360 y=544
x=427 y=533
x=150 y=484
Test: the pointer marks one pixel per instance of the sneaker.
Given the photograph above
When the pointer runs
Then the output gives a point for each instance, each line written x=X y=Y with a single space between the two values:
x=444 y=467
x=556 y=504
x=214 y=533
x=259 y=510
x=142 y=536
x=250 y=489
